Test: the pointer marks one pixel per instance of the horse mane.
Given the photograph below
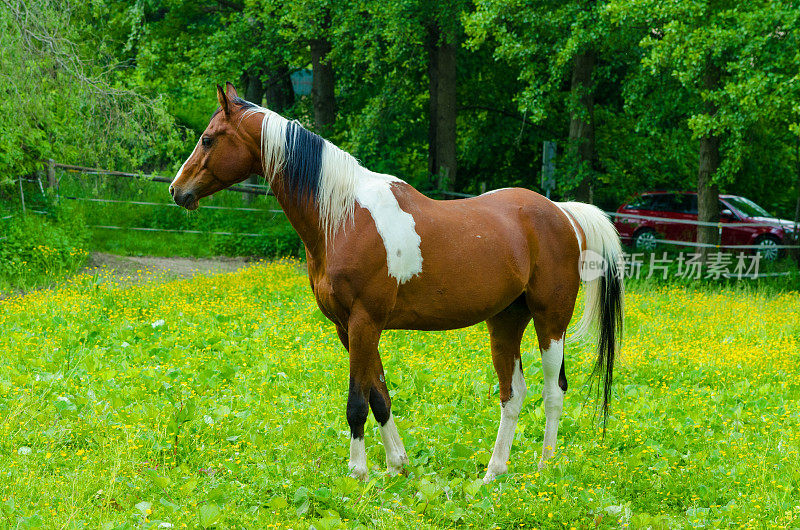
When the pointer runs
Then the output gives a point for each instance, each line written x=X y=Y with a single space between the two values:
x=314 y=169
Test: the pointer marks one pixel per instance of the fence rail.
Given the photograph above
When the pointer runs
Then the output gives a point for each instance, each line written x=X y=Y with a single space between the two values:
x=254 y=189
x=719 y=225
x=258 y=189
x=167 y=204
x=175 y=230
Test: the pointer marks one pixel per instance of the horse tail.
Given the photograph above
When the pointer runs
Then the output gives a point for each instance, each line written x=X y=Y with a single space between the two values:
x=600 y=265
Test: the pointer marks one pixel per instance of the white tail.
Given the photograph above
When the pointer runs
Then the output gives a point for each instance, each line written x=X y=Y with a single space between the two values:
x=602 y=238
x=605 y=293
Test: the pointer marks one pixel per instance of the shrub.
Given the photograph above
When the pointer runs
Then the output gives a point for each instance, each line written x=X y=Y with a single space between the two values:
x=38 y=250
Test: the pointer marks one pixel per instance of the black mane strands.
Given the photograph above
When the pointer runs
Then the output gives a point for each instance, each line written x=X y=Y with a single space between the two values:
x=303 y=161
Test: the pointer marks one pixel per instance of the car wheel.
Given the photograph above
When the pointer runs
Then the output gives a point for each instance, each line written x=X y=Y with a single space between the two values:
x=645 y=239
x=768 y=248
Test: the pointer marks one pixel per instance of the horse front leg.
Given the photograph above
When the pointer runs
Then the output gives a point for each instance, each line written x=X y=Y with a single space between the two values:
x=368 y=390
x=381 y=405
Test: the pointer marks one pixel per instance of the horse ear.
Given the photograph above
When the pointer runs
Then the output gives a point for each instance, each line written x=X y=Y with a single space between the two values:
x=230 y=90
x=223 y=101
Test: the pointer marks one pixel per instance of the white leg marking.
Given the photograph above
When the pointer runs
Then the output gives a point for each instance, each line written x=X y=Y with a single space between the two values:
x=395 y=451
x=552 y=396
x=395 y=226
x=509 y=413
x=358 y=459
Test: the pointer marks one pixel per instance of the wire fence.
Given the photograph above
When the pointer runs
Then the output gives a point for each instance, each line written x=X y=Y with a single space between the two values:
x=253 y=189
x=54 y=182
x=665 y=220
x=263 y=190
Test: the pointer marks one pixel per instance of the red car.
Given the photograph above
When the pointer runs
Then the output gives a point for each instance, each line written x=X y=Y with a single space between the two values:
x=643 y=234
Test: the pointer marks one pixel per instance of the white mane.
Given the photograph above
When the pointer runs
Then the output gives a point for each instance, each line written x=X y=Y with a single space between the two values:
x=338 y=178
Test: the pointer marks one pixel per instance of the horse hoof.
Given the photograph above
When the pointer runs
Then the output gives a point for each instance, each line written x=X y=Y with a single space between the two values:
x=396 y=470
x=492 y=472
x=359 y=474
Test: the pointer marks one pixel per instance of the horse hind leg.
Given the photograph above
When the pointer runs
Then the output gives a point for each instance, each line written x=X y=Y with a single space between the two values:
x=505 y=335
x=550 y=331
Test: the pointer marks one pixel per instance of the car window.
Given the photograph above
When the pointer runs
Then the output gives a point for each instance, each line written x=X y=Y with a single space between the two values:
x=746 y=206
x=686 y=203
x=642 y=202
x=664 y=203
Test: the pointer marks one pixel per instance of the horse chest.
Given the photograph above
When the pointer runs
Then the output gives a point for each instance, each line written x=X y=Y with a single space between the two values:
x=324 y=293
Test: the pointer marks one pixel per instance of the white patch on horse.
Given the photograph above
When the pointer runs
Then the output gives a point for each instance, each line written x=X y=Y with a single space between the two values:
x=552 y=396
x=492 y=191
x=393 y=445
x=178 y=175
x=509 y=413
x=396 y=227
x=358 y=459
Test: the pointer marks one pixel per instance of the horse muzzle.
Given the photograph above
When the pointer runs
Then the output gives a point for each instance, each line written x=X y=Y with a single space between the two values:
x=187 y=200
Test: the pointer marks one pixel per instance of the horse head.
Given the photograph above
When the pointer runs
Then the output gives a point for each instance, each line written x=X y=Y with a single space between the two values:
x=225 y=154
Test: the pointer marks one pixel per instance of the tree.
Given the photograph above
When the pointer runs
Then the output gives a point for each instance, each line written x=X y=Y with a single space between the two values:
x=64 y=98
x=555 y=44
x=425 y=38
x=735 y=69
x=442 y=46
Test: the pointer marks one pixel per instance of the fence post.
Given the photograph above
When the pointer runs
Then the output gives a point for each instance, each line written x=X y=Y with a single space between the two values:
x=21 y=194
x=248 y=197
x=51 y=173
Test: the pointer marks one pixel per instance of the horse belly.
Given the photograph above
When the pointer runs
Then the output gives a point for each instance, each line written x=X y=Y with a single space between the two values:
x=454 y=291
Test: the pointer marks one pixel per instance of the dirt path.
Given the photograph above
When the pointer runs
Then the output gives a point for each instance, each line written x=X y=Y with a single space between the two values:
x=135 y=269
x=136 y=266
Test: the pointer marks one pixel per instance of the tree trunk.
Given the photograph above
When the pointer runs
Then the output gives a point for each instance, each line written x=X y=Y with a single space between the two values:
x=253 y=92
x=322 y=87
x=433 y=90
x=253 y=87
x=707 y=190
x=278 y=91
x=446 y=112
x=581 y=124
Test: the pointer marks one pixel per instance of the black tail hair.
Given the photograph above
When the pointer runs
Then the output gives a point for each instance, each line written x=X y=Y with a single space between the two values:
x=610 y=333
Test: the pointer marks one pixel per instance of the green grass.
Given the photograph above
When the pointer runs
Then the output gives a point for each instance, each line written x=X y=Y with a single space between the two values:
x=230 y=413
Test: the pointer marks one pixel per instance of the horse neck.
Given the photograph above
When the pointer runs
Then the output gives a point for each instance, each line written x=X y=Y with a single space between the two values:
x=302 y=213
x=303 y=216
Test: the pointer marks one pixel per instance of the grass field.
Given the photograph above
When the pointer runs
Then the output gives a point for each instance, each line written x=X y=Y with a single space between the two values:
x=219 y=401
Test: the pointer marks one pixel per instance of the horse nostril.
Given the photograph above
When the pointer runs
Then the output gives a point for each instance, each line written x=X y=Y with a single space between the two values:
x=172 y=190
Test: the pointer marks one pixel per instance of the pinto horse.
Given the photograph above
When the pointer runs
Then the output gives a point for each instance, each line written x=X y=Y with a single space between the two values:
x=382 y=255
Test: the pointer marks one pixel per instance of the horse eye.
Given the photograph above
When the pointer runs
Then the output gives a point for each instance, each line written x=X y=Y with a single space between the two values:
x=207 y=141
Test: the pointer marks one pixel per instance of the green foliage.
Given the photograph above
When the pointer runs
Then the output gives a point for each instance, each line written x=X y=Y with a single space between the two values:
x=274 y=237
x=276 y=241
x=119 y=75
x=754 y=47
x=65 y=104
x=40 y=250
x=648 y=85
